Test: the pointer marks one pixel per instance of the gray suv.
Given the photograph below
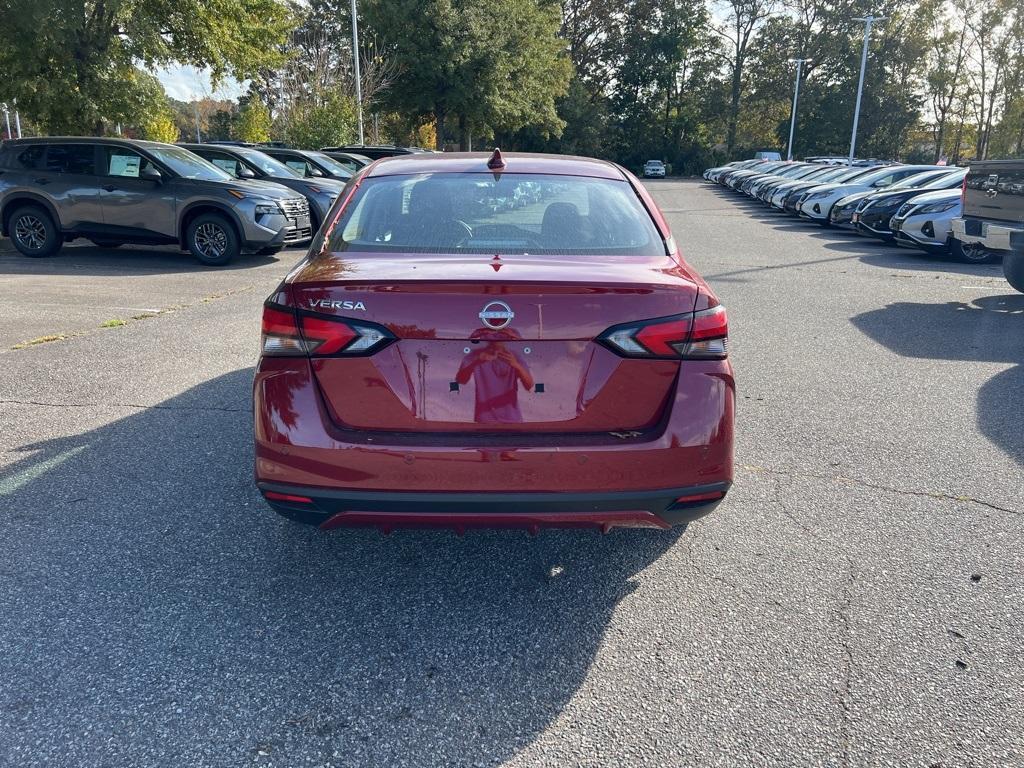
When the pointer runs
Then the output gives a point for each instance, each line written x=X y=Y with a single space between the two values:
x=117 y=191
x=249 y=163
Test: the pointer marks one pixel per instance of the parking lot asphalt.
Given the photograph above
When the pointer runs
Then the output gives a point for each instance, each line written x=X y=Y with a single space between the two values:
x=855 y=601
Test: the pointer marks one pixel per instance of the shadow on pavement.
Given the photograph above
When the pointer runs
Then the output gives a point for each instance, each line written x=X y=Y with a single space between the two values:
x=989 y=329
x=157 y=612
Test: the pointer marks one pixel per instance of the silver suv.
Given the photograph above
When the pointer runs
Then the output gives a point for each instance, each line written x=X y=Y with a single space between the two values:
x=117 y=191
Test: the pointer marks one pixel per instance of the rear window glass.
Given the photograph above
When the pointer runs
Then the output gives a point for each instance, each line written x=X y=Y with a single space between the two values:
x=71 y=158
x=29 y=158
x=514 y=213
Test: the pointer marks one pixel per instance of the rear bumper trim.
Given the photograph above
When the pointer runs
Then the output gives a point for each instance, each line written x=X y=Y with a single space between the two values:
x=387 y=510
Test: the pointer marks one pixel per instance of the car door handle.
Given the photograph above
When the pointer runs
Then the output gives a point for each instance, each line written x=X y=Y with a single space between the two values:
x=41 y=181
x=108 y=187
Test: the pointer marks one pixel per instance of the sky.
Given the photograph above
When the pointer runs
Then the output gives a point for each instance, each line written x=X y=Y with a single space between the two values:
x=188 y=84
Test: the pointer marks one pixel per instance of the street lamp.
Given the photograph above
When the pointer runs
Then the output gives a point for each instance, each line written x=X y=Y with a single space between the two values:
x=868 y=21
x=355 y=61
x=796 y=95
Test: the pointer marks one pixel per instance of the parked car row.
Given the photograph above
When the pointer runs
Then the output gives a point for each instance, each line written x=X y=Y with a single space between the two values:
x=912 y=205
x=216 y=200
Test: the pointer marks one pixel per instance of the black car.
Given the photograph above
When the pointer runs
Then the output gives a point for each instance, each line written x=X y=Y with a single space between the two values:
x=375 y=151
x=244 y=162
x=312 y=165
x=352 y=161
x=874 y=211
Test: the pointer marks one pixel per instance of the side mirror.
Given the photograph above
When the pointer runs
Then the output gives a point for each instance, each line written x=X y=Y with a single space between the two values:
x=245 y=173
x=149 y=173
x=315 y=172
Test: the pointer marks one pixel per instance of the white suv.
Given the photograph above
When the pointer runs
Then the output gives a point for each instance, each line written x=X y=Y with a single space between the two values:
x=654 y=168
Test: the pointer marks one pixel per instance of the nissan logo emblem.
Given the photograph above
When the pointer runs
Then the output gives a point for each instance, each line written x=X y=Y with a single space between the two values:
x=497 y=315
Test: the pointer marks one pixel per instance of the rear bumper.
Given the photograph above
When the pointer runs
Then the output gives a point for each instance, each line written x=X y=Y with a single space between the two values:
x=532 y=511
x=300 y=451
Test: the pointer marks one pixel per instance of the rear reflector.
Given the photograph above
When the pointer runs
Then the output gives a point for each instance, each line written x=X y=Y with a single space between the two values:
x=712 y=496
x=291 y=498
x=695 y=335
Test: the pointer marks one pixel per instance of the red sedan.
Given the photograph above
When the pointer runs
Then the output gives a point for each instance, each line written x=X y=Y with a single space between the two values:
x=495 y=341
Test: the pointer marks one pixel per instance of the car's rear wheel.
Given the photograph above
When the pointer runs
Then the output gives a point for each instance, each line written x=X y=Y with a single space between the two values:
x=212 y=239
x=33 y=232
x=100 y=243
x=1013 y=269
x=973 y=253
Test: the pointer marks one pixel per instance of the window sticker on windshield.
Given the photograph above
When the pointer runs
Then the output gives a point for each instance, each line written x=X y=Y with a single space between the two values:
x=125 y=165
x=224 y=165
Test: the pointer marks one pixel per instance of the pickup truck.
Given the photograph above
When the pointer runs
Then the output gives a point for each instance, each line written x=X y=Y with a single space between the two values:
x=993 y=213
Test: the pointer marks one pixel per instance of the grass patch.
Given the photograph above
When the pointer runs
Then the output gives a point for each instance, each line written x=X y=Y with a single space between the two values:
x=117 y=322
x=40 y=340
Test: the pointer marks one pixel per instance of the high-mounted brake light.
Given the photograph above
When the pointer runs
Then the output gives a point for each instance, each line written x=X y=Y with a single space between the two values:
x=287 y=333
x=700 y=335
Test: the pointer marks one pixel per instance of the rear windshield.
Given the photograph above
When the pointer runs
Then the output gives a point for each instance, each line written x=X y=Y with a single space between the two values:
x=514 y=213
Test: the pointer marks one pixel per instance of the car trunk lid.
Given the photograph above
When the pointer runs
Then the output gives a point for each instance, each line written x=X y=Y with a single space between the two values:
x=494 y=344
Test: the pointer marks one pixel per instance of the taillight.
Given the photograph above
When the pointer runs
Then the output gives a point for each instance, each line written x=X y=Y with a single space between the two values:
x=286 y=332
x=963 y=194
x=700 y=335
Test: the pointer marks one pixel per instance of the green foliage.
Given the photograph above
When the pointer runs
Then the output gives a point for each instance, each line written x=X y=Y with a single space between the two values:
x=490 y=64
x=73 y=64
x=330 y=123
x=254 y=122
x=221 y=125
x=160 y=127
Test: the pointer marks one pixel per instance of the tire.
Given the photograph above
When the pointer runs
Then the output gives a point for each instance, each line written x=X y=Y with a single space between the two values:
x=1013 y=269
x=212 y=239
x=271 y=251
x=972 y=253
x=33 y=232
x=107 y=243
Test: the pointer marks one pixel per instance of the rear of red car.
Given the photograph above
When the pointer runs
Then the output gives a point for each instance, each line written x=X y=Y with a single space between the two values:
x=518 y=346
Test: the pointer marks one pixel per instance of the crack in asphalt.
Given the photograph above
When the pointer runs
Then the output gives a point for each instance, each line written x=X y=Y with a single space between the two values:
x=846 y=632
x=941 y=495
x=137 y=406
x=700 y=571
x=844 y=696
x=145 y=315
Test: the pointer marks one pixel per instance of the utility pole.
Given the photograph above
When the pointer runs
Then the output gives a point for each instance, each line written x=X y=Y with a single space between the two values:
x=868 y=21
x=355 y=63
x=195 y=108
x=796 y=95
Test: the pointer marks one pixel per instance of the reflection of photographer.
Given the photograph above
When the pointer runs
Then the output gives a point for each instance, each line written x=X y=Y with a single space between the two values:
x=496 y=372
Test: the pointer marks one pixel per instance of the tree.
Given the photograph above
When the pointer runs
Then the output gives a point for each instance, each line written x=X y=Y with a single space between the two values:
x=91 y=51
x=160 y=127
x=744 y=19
x=489 y=64
x=332 y=123
x=254 y=121
x=221 y=125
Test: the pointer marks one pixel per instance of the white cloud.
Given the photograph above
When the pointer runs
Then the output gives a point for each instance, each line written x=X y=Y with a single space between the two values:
x=186 y=83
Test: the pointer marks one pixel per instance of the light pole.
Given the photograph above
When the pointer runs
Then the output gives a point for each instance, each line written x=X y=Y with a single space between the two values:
x=868 y=21
x=355 y=63
x=796 y=95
